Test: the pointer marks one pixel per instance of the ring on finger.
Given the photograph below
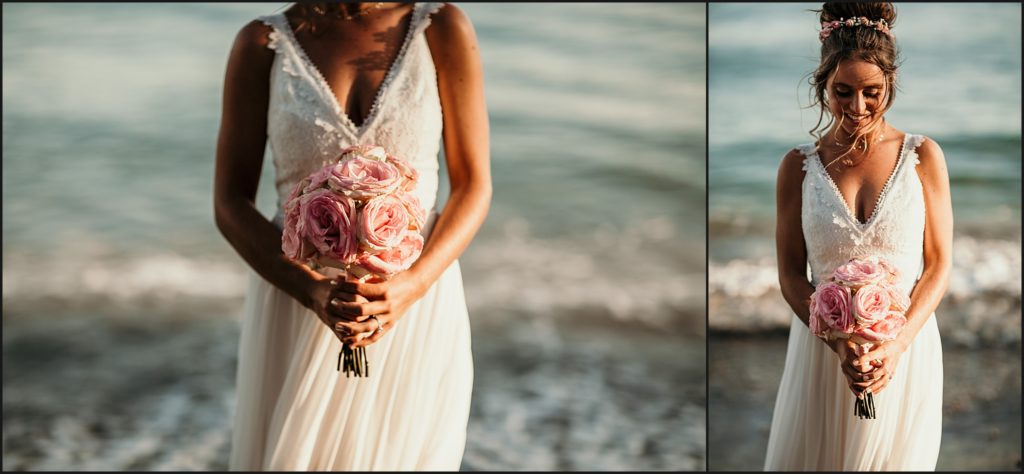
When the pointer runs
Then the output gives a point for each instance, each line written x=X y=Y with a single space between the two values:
x=380 y=325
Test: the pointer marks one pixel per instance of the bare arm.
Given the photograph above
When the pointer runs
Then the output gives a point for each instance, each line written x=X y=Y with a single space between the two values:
x=790 y=248
x=453 y=45
x=460 y=84
x=240 y=145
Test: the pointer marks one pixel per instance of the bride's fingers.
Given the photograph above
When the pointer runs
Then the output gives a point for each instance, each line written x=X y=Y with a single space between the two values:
x=340 y=296
x=880 y=383
x=368 y=325
x=875 y=356
x=852 y=374
x=361 y=311
x=374 y=337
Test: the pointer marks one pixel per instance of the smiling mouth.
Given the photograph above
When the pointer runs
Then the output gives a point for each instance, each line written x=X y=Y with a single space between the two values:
x=857 y=118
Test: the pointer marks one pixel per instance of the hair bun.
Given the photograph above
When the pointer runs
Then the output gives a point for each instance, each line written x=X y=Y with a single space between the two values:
x=832 y=11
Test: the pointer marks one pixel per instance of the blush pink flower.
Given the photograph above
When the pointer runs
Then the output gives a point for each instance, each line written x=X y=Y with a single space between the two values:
x=382 y=223
x=293 y=243
x=859 y=272
x=369 y=152
x=831 y=303
x=417 y=214
x=885 y=329
x=397 y=259
x=409 y=174
x=293 y=197
x=319 y=178
x=870 y=304
x=892 y=274
x=899 y=300
x=814 y=322
x=363 y=179
x=327 y=221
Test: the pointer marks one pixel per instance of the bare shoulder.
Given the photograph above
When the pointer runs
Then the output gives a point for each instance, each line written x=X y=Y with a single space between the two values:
x=931 y=166
x=254 y=36
x=930 y=155
x=792 y=166
x=451 y=26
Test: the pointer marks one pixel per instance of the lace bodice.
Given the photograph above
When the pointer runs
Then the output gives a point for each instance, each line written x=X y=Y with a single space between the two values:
x=895 y=230
x=306 y=127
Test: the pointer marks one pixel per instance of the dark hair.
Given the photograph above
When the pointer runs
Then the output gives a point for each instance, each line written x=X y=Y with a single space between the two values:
x=860 y=43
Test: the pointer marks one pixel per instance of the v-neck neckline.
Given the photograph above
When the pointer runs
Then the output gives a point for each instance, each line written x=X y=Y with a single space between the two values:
x=879 y=202
x=322 y=83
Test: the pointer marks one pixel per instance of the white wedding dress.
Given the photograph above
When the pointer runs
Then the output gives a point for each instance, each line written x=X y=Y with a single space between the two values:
x=294 y=410
x=814 y=426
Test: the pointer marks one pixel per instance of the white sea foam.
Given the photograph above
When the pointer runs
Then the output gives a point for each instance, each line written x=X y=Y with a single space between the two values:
x=164 y=277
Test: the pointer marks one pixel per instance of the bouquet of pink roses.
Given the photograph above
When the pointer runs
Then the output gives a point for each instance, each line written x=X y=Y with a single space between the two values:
x=861 y=302
x=356 y=215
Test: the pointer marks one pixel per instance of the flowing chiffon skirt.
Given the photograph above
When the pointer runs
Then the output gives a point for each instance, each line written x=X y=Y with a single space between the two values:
x=295 y=411
x=814 y=426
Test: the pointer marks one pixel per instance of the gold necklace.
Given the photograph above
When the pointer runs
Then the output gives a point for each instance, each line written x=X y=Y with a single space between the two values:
x=361 y=13
x=847 y=160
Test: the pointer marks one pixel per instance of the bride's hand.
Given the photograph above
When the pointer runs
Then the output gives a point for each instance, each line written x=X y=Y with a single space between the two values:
x=325 y=297
x=370 y=309
x=883 y=358
x=858 y=377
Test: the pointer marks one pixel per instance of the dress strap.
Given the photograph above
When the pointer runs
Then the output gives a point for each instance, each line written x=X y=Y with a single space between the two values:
x=914 y=141
x=808 y=150
x=274 y=22
x=422 y=13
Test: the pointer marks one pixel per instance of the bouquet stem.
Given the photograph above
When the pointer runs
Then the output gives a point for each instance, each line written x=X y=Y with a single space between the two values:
x=353 y=361
x=865 y=407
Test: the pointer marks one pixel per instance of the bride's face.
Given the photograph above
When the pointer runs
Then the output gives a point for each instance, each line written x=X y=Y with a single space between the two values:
x=856 y=94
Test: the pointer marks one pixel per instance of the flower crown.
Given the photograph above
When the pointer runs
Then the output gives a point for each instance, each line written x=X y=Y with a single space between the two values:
x=828 y=26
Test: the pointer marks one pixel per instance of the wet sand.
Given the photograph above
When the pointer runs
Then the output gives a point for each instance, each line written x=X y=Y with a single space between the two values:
x=981 y=426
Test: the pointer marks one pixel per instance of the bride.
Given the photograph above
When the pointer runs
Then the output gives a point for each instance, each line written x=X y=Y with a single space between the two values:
x=312 y=81
x=862 y=188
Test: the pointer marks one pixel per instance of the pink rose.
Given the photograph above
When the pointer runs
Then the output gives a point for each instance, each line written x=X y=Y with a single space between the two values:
x=870 y=304
x=293 y=244
x=859 y=272
x=382 y=222
x=417 y=214
x=885 y=329
x=319 y=178
x=898 y=298
x=814 y=322
x=397 y=259
x=892 y=273
x=409 y=174
x=363 y=179
x=369 y=152
x=327 y=220
x=831 y=303
x=293 y=197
